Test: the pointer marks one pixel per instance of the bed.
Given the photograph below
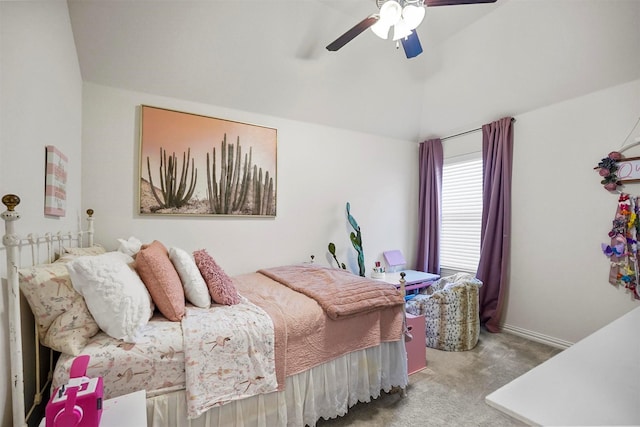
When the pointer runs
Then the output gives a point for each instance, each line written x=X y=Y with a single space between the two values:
x=331 y=344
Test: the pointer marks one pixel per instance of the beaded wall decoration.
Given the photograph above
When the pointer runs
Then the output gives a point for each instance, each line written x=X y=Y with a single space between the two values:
x=622 y=248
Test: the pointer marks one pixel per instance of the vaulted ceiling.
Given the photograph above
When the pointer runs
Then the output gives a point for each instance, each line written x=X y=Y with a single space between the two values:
x=268 y=56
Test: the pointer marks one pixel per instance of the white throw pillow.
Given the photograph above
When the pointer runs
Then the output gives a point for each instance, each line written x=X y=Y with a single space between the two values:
x=195 y=288
x=114 y=293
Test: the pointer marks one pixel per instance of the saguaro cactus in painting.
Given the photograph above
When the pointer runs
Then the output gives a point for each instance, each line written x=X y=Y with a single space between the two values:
x=240 y=188
x=230 y=194
x=174 y=193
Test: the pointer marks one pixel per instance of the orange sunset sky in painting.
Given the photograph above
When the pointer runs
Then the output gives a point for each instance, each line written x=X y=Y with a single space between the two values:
x=175 y=131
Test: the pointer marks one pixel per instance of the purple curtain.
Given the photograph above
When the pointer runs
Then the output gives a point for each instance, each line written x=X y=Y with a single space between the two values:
x=429 y=205
x=497 y=155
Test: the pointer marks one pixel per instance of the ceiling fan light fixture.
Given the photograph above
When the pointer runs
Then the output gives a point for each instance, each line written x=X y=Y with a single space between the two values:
x=413 y=15
x=404 y=16
x=381 y=29
x=390 y=12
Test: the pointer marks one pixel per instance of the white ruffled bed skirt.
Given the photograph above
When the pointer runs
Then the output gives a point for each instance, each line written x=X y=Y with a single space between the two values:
x=326 y=391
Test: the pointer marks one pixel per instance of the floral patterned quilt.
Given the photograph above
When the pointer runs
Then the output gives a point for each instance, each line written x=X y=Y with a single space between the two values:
x=229 y=354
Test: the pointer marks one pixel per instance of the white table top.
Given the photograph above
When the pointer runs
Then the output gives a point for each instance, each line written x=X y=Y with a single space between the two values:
x=594 y=382
x=411 y=277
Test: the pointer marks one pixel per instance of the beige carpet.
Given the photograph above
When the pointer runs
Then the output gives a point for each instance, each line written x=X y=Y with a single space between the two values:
x=452 y=388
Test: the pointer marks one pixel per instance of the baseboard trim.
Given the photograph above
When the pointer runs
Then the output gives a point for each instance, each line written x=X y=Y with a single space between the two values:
x=535 y=336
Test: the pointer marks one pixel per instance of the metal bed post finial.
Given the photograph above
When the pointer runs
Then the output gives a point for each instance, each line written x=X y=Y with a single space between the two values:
x=90 y=228
x=11 y=242
x=10 y=201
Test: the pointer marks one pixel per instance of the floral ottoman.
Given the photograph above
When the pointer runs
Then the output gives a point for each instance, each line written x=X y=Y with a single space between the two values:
x=450 y=308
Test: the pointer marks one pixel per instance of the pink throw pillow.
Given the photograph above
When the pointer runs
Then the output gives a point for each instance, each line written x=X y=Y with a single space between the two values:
x=161 y=279
x=220 y=285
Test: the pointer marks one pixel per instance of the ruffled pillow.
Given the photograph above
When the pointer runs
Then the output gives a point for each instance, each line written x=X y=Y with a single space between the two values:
x=114 y=293
x=220 y=285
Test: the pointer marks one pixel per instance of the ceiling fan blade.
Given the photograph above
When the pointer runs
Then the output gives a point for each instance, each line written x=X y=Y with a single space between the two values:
x=352 y=33
x=431 y=3
x=411 y=45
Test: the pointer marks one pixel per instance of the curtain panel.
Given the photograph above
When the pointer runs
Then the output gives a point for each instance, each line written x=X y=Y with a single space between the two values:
x=429 y=205
x=495 y=238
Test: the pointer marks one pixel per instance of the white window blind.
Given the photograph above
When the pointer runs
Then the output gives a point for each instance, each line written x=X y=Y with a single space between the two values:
x=461 y=214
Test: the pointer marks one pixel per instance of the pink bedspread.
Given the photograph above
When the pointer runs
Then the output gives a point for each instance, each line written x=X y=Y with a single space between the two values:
x=340 y=293
x=305 y=336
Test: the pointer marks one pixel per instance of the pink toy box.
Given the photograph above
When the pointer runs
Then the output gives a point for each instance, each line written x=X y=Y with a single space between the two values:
x=417 y=347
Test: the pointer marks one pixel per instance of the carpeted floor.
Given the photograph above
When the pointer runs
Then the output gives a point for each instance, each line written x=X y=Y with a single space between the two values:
x=452 y=388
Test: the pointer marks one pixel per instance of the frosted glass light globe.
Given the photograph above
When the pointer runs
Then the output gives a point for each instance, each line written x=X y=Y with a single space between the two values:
x=381 y=29
x=390 y=12
x=413 y=15
x=401 y=30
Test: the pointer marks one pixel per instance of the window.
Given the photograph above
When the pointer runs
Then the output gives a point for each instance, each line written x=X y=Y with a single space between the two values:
x=461 y=213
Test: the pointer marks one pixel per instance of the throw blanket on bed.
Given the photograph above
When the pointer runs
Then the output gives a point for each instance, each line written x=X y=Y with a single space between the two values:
x=305 y=335
x=340 y=293
x=229 y=354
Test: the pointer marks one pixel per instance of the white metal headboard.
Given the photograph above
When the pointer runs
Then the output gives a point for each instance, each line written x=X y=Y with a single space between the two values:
x=34 y=246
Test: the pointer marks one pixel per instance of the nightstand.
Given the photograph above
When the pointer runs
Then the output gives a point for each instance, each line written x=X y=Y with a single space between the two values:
x=129 y=410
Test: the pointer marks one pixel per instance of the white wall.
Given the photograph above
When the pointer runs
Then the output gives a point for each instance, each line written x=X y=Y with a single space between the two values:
x=558 y=289
x=561 y=215
x=319 y=170
x=40 y=104
x=528 y=54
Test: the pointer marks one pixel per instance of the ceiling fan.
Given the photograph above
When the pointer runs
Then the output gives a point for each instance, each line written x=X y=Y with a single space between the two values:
x=403 y=16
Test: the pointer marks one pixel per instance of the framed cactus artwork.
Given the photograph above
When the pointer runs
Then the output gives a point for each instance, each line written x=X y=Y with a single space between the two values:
x=197 y=165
